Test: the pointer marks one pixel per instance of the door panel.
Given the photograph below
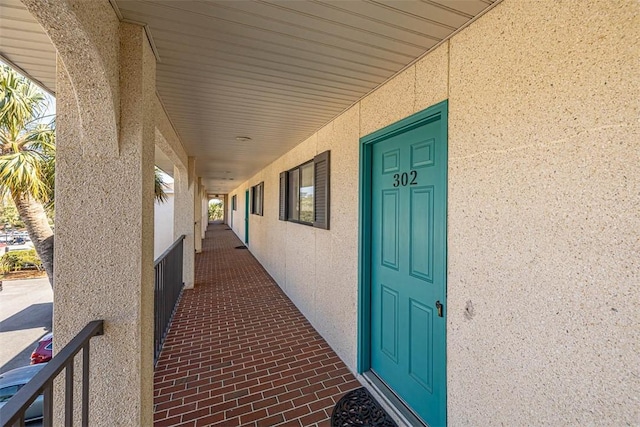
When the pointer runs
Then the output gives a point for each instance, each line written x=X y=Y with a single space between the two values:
x=421 y=233
x=390 y=228
x=421 y=344
x=408 y=266
x=389 y=323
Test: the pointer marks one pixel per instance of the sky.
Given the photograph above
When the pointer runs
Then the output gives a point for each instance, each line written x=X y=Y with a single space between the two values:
x=51 y=100
x=51 y=108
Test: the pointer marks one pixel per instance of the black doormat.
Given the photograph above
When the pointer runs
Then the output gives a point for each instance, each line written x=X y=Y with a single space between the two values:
x=359 y=408
x=241 y=247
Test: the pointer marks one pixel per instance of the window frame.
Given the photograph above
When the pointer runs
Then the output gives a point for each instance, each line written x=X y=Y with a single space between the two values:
x=4 y=395
x=290 y=194
x=257 y=199
x=234 y=202
x=290 y=172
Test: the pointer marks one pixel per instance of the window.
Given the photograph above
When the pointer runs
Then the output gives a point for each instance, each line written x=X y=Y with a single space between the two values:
x=234 y=200
x=304 y=193
x=257 y=198
x=7 y=393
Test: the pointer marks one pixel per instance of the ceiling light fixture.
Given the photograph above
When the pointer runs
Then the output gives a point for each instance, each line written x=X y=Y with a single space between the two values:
x=243 y=138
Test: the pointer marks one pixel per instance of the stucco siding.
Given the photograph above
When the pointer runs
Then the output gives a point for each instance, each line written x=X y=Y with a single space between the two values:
x=543 y=224
x=239 y=213
x=277 y=230
x=163 y=225
x=543 y=271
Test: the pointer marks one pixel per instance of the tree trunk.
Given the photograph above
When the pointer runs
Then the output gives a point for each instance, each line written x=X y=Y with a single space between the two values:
x=32 y=213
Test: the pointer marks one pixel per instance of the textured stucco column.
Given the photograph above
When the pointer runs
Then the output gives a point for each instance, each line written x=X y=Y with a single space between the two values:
x=225 y=206
x=104 y=235
x=205 y=212
x=197 y=215
x=184 y=193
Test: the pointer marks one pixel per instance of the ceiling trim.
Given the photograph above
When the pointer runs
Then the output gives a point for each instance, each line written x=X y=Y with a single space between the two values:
x=27 y=75
x=146 y=27
x=164 y=110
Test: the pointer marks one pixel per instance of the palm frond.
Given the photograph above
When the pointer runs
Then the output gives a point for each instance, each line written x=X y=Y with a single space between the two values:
x=27 y=145
x=21 y=173
x=159 y=186
x=20 y=100
x=40 y=138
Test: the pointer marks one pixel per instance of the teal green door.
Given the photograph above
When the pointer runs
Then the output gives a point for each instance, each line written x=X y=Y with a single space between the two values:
x=408 y=265
x=246 y=216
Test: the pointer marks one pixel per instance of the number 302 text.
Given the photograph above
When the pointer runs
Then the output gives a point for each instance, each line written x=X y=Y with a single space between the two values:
x=403 y=179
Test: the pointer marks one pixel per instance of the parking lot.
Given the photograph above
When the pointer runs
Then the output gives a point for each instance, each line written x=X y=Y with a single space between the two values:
x=26 y=310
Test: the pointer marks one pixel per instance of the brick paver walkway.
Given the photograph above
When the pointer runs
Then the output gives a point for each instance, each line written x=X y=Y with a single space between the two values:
x=240 y=353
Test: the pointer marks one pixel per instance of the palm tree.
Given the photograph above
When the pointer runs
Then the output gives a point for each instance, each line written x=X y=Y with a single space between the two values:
x=159 y=186
x=27 y=158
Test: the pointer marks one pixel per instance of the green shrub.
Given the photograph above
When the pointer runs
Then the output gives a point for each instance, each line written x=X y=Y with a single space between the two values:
x=20 y=260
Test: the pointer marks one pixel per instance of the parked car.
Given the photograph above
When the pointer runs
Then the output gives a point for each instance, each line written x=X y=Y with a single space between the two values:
x=13 y=380
x=23 y=247
x=43 y=351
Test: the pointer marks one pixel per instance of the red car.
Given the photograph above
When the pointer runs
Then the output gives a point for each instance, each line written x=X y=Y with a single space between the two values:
x=43 y=351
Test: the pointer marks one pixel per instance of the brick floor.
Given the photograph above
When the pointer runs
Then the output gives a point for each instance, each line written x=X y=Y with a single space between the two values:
x=240 y=353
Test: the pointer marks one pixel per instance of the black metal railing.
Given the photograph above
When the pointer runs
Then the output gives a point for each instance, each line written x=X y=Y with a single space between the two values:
x=168 y=289
x=13 y=412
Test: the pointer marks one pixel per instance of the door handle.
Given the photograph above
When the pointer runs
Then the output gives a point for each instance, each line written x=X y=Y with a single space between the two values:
x=439 y=307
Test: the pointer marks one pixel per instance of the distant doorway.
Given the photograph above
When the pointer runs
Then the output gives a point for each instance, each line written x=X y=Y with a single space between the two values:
x=216 y=210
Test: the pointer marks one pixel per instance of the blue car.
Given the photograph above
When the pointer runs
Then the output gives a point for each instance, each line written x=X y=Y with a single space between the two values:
x=13 y=380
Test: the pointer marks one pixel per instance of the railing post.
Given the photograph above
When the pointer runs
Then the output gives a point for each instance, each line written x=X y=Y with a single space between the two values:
x=68 y=396
x=14 y=410
x=85 y=385
x=168 y=288
x=47 y=411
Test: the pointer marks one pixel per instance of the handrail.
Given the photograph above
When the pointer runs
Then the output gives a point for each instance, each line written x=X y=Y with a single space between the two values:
x=168 y=289
x=13 y=411
x=164 y=254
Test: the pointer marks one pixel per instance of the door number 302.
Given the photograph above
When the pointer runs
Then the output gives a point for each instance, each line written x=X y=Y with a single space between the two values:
x=403 y=179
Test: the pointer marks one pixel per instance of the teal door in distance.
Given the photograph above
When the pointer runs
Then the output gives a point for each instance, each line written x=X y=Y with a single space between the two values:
x=408 y=262
x=246 y=216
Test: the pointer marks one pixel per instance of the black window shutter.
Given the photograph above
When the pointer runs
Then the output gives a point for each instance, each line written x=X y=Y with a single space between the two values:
x=282 y=216
x=321 y=190
x=261 y=201
x=252 y=198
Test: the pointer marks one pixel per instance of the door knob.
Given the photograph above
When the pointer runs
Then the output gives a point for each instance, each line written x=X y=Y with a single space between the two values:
x=439 y=307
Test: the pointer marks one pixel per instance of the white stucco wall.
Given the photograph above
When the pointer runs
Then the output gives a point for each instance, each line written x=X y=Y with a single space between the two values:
x=163 y=224
x=543 y=324
x=544 y=177
x=205 y=214
x=237 y=215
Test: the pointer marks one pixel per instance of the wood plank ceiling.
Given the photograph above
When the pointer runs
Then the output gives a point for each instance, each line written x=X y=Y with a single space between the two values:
x=274 y=71
x=24 y=45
